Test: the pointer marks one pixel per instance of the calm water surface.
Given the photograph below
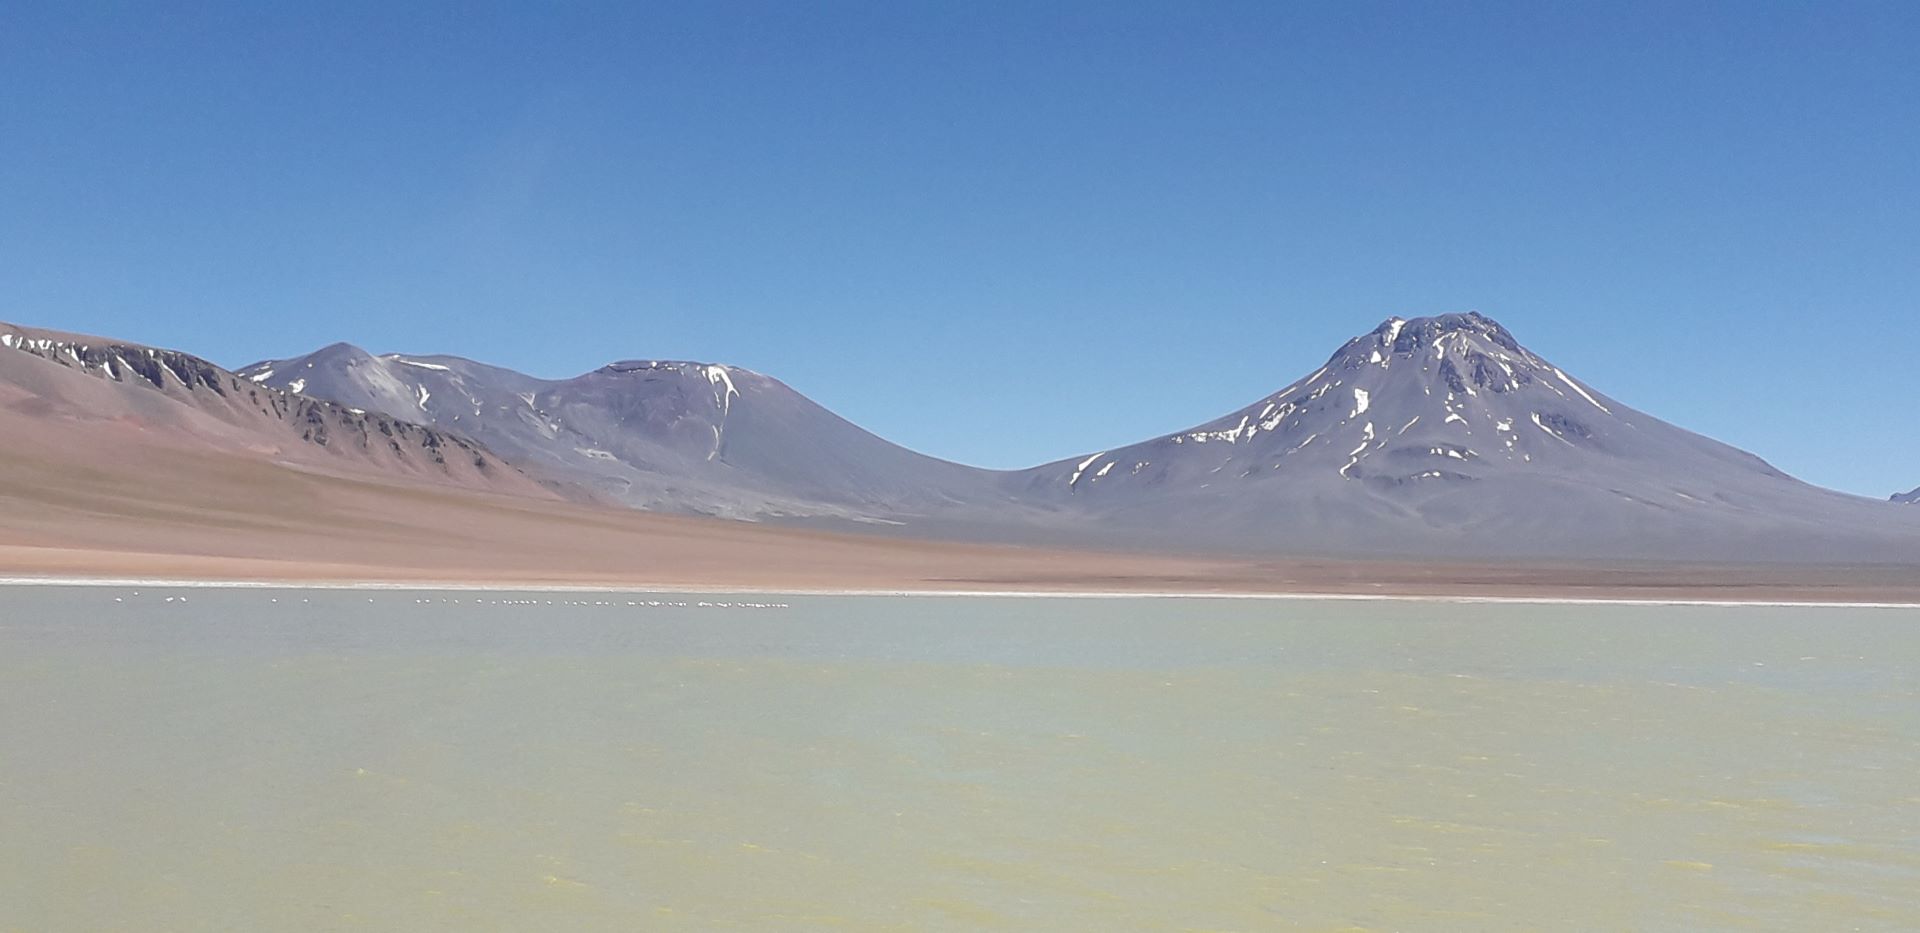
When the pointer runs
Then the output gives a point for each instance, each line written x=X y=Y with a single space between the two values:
x=319 y=760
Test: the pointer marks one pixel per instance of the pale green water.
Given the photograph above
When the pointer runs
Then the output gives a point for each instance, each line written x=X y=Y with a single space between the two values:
x=234 y=763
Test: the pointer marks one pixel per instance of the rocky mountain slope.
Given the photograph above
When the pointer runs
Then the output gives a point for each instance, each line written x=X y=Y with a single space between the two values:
x=53 y=384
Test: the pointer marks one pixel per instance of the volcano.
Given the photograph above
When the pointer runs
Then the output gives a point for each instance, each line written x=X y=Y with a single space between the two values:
x=1445 y=437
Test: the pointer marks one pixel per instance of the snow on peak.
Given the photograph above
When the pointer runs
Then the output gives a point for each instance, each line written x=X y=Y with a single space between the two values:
x=1082 y=468
x=397 y=358
x=1408 y=335
x=717 y=375
x=683 y=367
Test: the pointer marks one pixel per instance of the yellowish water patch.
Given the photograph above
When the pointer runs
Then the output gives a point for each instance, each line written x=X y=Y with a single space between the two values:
x=914 y=765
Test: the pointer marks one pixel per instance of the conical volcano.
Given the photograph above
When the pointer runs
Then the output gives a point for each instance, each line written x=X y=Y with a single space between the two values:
x=1445 y=437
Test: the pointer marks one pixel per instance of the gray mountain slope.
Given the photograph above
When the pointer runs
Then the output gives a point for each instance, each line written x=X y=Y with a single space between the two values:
x=1444 y=437
x=663 y=435
x=1907 y=498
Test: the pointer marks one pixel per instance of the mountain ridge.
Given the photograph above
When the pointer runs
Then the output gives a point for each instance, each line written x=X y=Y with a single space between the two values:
x=1439 y=435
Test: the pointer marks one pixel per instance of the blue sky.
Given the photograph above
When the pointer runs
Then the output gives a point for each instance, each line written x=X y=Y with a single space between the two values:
x=1001 y=233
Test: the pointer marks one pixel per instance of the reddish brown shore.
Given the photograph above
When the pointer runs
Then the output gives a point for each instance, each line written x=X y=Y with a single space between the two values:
x=97 y=500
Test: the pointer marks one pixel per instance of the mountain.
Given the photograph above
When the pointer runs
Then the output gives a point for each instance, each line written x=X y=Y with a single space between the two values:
x=1433 y=438
x=1437 y=437
x=1444 y=437
x=120 y=401
x=656 y=434
x=138 y=462
x=1908 y=498
x=145 y=462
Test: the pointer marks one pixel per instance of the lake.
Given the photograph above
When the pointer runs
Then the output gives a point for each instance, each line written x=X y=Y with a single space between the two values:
x=264 y=759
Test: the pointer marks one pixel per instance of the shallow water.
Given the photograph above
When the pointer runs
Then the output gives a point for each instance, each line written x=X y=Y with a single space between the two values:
x=294 y=760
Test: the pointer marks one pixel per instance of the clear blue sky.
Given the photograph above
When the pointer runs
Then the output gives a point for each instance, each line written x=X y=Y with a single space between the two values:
x=1000 y=232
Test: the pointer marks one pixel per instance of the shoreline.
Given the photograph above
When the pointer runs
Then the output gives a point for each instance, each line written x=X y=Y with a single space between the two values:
x=190 y=518
x=687 y=590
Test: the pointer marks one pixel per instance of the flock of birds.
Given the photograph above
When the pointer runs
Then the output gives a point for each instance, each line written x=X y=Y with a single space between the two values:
x=576 y=603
